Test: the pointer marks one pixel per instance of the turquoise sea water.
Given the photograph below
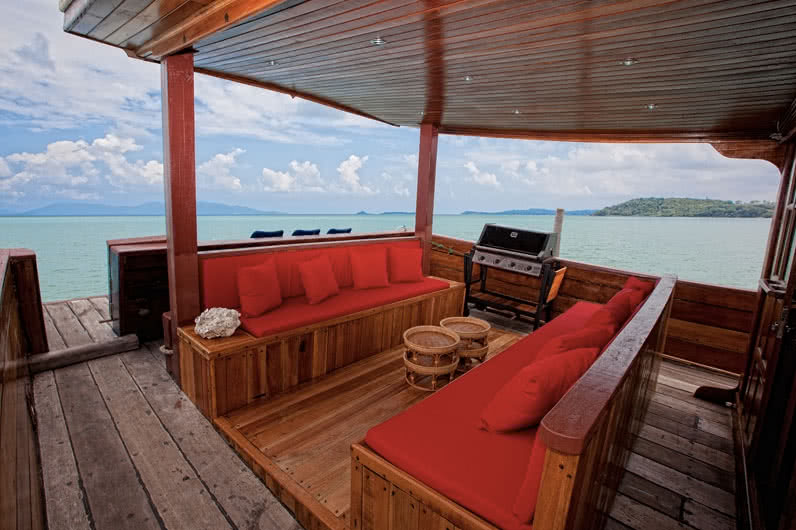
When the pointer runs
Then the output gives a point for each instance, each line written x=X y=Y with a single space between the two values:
x=72 y=256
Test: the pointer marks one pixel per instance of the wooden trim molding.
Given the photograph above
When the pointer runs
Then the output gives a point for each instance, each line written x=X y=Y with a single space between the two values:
x=214 y=17
x=768 y=150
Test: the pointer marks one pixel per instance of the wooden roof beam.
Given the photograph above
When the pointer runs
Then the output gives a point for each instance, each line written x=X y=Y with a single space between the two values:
x=214 y=17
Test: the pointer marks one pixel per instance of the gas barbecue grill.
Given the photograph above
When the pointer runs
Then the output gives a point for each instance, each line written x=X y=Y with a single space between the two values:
x=521 y=251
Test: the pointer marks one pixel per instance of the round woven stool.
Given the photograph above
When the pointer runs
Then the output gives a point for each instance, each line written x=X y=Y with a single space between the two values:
x=430 y=357
x=474 y=345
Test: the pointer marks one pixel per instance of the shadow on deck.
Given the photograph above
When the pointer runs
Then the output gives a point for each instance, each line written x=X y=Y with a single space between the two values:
x=123 y=447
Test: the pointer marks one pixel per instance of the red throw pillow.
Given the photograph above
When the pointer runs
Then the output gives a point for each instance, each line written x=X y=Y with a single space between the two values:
x=525 y=503
x=622 y=304
x=406 y=265
x=258 y=289
x=604 y=318
x=318 y=279
x=638 y=284
x=524 y=400
x=369 y=268
x=589 y=337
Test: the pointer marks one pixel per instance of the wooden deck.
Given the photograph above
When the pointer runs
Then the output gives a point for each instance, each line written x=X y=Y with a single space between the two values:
x=122 y=447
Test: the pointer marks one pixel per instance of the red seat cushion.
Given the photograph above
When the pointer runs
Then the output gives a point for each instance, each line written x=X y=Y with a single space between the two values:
x=296 y=312
x=406 y=265
x=432 y=439
x=645 y=286
x=258 y=289
x=524 y=400
x=369 y=268
x=525 y=503
x=318 y=279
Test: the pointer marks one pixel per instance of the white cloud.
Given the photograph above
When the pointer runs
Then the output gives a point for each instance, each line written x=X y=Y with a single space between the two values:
x=70 y=168
x=349 y=175
x=301 y=176
x=482 y=177
x=5 y=171
x=216 y=173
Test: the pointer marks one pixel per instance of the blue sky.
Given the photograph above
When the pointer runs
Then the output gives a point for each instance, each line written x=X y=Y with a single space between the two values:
x=79 y=121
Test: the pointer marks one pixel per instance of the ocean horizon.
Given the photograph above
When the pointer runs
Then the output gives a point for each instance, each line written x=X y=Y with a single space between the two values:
x=72 y=253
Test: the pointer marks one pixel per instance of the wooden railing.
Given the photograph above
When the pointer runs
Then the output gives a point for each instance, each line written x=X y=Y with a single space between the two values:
x=21 y=334
x=590 y=431
x=710 y=324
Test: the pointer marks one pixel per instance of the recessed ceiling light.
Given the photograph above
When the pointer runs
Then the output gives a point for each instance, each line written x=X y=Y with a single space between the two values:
x=468 y=78
x=378 y=41
x=421 y=113
x=516 y=111
x=271 y=63
x=650 y=106
x=628 y=61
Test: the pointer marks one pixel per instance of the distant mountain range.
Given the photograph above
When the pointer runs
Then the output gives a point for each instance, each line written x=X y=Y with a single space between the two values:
x=148 y=208
x=530 y=211
x=684 y=207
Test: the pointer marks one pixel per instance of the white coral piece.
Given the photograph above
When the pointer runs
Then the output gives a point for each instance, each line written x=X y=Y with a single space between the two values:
x=217 y=322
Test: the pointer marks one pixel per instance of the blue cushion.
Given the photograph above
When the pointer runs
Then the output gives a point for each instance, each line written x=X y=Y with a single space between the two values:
x=339 y=231
x=307 y=232
x=263 y=233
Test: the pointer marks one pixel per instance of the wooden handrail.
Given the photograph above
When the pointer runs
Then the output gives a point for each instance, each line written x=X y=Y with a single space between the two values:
x=569 y=426
x=300 y=243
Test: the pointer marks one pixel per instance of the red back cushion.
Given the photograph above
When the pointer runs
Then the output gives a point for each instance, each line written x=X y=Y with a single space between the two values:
x=645 y=286
x=369 y=268
x=218 y=271
x=605 y=318
x=258 y=289
x=318 y=279
x=621 y=305
x=525 y=503
x=406 y=265
x=524 y=400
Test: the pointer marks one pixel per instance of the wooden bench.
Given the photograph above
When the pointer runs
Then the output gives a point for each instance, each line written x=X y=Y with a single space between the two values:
x=221 y=375
x=588 y=435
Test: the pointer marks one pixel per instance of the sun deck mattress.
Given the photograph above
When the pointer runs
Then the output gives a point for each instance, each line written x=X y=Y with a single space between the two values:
x=439 y=442
x=297 y=312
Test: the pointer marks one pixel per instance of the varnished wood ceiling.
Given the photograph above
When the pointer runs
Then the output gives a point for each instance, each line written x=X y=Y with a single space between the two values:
x=710 y=69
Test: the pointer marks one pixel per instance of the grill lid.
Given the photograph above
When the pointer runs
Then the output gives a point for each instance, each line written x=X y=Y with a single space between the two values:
x=519 y=240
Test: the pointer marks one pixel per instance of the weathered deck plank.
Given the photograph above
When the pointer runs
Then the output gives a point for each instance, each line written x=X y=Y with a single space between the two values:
x=68 y=325
x=54 y=339
x=65 y=500
x=91 y=320
x=179 y=496
x=115 y=496
x=243 y=497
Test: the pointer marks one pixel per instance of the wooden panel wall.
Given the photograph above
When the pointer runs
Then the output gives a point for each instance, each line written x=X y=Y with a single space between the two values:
x=21 y=494
x=710 y=324
x=241 y=369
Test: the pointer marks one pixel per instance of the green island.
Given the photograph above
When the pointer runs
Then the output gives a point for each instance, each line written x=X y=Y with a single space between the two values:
x=682 y=207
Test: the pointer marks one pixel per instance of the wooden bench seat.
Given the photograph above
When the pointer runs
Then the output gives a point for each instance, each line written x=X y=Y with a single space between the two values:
x=221 y=375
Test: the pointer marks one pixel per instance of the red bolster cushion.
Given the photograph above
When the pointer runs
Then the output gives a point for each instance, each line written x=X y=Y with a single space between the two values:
x=369 y=268
x=622 y=304
x=258 y=289
x=406 y=265
x=524 y=400
x=318 y=279
x=525 y=503
x=638 y=284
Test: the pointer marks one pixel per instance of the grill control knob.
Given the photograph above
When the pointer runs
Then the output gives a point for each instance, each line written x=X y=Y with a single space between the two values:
x=481 y=258
x=497 y=260
x=512 y=264
x=529 y=267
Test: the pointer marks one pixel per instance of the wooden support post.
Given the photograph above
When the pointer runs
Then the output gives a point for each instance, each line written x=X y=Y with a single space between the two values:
x=558 y=225
x=179 y=180
x=426 y=182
